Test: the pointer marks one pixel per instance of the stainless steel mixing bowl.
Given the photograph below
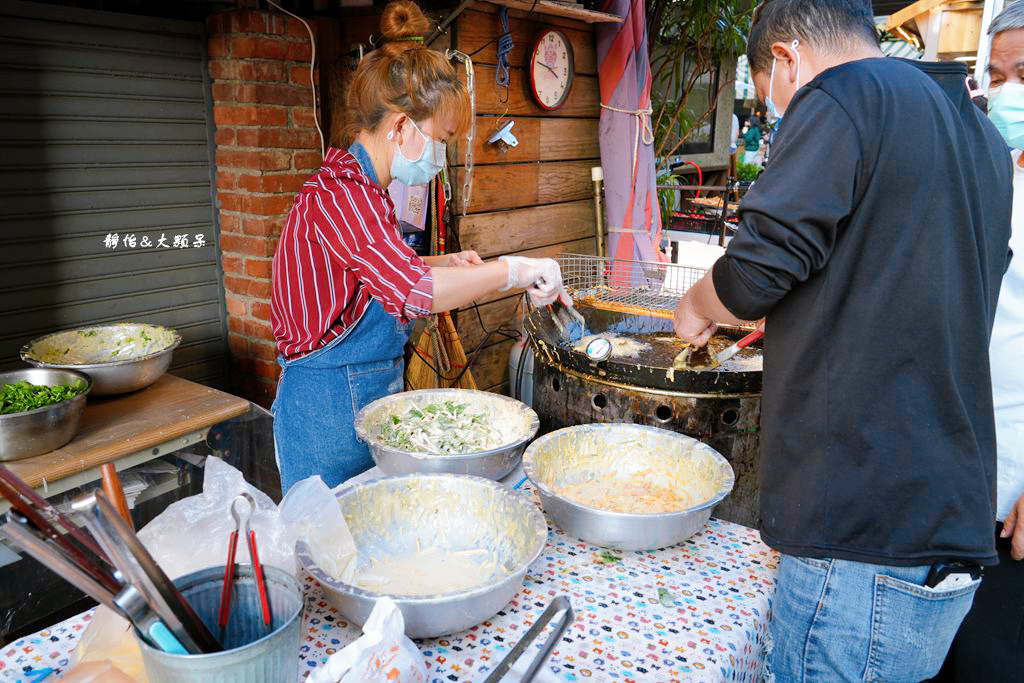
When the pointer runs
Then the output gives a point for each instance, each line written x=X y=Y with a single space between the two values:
x=495 y=463
x=115 y=376
x=396 y=516
x=583 y=451
x=42 y=430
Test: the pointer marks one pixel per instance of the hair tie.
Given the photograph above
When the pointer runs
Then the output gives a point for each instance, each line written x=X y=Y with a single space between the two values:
x=415 y=39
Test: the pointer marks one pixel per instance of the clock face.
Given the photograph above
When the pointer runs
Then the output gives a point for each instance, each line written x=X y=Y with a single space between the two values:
x=551 y=69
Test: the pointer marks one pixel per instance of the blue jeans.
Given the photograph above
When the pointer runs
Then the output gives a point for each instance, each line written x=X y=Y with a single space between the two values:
x=835 y=620
x=319 y=394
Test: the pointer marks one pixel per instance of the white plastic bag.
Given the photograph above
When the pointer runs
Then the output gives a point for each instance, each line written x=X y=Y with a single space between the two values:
x=192 y=533
x=383 y=654
x=312 y=513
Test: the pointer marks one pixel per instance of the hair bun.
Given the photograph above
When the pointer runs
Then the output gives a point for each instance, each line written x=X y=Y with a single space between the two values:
x=403 y=19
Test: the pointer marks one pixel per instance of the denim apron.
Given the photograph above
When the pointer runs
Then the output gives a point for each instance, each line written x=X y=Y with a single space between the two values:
x=319 y=394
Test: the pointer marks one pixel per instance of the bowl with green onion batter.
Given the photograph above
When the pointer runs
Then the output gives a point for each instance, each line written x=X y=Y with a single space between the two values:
x=456 y=431
x=39 y=410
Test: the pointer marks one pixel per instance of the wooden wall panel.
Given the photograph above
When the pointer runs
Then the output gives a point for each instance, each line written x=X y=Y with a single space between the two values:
x=505 y=232
x=501 y=313
x=477 y=34
x=509 y=186
x=543 y=139
x=582 y=101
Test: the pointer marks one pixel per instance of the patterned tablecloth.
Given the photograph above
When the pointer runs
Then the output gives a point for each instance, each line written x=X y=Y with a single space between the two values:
x=694 y=612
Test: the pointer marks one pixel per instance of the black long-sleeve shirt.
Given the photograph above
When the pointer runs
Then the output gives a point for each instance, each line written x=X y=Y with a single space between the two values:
x=875 y=242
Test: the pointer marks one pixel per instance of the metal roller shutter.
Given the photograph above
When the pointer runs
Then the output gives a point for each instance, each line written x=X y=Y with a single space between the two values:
x=105 y=129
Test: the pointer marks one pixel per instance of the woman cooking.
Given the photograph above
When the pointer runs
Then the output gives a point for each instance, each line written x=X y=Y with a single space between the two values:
x=345 y=286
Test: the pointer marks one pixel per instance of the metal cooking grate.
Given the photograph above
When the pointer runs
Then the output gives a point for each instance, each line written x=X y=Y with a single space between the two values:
x=640 y=287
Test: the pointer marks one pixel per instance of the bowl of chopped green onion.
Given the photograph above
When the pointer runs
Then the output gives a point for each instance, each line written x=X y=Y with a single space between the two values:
x=40 y=409
x=456 y=431
x=119 y=358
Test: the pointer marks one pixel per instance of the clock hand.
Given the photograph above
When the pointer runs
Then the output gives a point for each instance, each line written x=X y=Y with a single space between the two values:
x=544 y=64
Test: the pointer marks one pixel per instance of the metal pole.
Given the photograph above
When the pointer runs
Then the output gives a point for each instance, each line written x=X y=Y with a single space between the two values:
x=597 y=175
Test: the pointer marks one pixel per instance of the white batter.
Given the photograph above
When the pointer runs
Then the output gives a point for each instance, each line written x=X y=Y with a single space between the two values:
x=622 y=347
x=429 y=572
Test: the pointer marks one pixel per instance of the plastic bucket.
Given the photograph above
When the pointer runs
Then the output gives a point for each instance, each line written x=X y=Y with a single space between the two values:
x=252 y=654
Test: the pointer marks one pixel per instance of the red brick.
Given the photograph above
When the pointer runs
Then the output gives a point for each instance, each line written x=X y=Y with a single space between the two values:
x=295 y=138
x=266 y=205
x=249 y=246
x=228 y=201
x=297 y=30
x=230 y=222
x=247 y=70
x=224 y=136
x=226 y=180
x=235 y=305
x=268 y=93
x=299 y=75
x=259 y=268
x=279 y=182
x=299 y=51
x=263 y=350
x=263 y=226
x=238 y=344
x=259 y=310
x=247 y=287
x=249 y=115
x=224 y=91
x=258 y=330
x=215 y=23
x=236 y=325
x=265 y=368
x=307 y=160
x=262 y=46
x=264 y=160
x=218 y=46
x=233 y=265
x=248 y=21
x=303 y=117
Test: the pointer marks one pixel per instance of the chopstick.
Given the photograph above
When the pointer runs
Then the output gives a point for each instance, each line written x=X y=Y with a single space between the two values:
x=112 y=488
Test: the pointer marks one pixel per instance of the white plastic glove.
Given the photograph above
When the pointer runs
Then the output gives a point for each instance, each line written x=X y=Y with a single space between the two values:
x=541 y=277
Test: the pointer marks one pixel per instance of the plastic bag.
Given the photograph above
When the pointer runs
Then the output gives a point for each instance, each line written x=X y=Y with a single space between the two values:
x=312 y=513
x=108 y=639
x=383 y=654
x=192 y=534
x=96 y=672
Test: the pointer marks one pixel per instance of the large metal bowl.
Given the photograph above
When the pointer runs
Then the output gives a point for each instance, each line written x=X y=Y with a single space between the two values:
x=569 y=454
x=395 y=516
x=492 y=464
x=132 y=366
x=42 y=430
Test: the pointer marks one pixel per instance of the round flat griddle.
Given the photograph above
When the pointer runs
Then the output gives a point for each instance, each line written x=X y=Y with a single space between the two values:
x=649 y=367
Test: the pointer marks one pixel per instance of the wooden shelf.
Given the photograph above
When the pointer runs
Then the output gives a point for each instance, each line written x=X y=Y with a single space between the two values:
x=561 y=9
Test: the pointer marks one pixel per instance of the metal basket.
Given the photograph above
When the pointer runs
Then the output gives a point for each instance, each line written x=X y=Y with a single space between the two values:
x=641 y=287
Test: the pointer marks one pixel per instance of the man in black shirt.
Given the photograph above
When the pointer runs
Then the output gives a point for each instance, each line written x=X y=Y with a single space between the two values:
x=873 y=244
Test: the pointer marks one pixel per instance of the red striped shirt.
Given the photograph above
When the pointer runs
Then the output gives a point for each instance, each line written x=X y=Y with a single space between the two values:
x=340 y=248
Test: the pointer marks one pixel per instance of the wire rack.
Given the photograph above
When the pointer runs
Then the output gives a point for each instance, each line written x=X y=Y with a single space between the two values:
x=638 y=287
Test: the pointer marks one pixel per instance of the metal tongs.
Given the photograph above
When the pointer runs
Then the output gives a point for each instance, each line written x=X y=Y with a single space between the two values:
x=242 y=525
x=559 y=604
x=564 y=316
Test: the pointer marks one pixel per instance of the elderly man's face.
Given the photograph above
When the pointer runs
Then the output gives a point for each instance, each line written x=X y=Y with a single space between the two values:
x=1006 y=63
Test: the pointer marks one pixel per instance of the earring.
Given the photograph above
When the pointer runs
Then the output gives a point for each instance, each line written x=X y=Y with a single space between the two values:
x=390 y=134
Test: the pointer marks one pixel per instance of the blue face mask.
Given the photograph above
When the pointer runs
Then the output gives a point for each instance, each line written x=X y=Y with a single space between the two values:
x=422 y=170
x=773 y=113
x=1006 y=111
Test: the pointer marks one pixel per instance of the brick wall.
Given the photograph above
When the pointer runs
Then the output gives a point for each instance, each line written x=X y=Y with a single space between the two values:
x=267 y=146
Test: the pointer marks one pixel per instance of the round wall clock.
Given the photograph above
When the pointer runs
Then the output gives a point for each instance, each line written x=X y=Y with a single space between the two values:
x=551 y=69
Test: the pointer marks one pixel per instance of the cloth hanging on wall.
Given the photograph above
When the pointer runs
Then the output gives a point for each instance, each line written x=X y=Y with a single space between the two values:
x=627 y=149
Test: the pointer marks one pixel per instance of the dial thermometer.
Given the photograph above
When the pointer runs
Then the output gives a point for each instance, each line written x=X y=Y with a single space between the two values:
x=599 y=349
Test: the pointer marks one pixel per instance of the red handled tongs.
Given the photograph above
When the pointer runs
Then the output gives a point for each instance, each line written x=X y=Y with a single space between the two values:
x=242 y=524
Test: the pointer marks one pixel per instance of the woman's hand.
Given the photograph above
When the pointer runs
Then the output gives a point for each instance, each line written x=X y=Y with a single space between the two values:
x=464 y=258
x=1013 y=528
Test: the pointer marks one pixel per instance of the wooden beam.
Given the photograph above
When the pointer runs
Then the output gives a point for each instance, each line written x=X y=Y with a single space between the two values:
x=509 y=186
x=504 y=232
x=478 y=34
x=562 y=9
x=910 y=12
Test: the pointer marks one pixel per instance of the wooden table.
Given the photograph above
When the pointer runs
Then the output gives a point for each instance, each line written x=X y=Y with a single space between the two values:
x=127 y=430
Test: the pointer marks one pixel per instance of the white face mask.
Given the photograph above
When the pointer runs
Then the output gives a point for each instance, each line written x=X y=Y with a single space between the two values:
x=419 y=171
x=773 y=112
